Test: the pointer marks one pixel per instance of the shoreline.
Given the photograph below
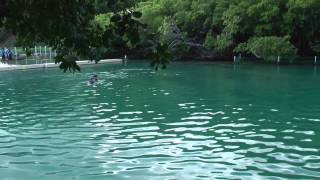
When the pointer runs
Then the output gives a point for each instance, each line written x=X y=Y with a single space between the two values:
x=8 y=67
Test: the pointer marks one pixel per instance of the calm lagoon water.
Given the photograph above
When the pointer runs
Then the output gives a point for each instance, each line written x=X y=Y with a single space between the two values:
x=192 y=121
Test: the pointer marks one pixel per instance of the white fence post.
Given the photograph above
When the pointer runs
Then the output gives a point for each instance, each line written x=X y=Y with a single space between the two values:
x=278 y=59
x=36 y=54
x=50 y=53
x=15 y=49
x=26 y=57
x=315 y=60
x=125 y=60
x=45 y=51
x=234 y=59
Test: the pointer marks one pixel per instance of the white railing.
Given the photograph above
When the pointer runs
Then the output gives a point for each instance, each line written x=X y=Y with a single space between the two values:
x=312 y=60
x=39 y=55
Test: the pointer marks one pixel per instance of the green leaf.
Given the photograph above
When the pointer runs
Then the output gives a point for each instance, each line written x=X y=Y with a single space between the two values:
x=115 y=18
x=137 y=14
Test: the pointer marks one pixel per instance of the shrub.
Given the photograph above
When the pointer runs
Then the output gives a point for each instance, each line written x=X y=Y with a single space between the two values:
x=268 y=48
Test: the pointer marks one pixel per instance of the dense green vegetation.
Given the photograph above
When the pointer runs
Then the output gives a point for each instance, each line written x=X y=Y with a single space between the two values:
x=160 y=28
x=272 y=27
x=71 y=26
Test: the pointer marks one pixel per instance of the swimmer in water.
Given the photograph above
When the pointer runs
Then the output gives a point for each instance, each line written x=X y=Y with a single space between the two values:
x=93 y=80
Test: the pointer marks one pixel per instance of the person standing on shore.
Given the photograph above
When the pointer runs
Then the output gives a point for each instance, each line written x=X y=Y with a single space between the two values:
x=9 y=54
x=3 y=55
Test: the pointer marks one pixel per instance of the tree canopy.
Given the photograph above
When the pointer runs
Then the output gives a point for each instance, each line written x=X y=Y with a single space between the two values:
x=71 y=26
x=215 y=28
x=222 y=25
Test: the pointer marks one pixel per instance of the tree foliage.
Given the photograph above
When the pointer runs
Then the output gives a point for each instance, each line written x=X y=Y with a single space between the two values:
x=94 y=28
x=222 y=25
x=268 y=48
x=71 y=26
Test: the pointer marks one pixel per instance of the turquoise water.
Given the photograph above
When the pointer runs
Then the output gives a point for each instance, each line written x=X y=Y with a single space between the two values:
x=192 y=121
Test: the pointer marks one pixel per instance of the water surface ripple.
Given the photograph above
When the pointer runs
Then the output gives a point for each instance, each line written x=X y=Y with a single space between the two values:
x=193 y=121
